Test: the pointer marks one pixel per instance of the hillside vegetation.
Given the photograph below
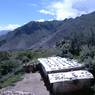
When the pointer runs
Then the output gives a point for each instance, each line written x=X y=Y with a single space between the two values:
x=11 y=63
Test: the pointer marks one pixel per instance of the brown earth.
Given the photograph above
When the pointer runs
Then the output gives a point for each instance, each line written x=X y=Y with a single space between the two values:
x=31 y=83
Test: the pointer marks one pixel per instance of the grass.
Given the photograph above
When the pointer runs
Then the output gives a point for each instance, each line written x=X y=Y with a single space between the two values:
x=11 y=80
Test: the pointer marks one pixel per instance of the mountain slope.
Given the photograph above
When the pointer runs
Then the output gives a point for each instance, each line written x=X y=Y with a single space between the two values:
x=28 y=35
x=3 y=32
x=46 y=34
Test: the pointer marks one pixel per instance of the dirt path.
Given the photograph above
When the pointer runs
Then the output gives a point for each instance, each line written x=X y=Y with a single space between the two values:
x=31 y=83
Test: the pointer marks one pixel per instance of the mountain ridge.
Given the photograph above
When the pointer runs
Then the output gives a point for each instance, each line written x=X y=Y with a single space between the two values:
x=45 y=34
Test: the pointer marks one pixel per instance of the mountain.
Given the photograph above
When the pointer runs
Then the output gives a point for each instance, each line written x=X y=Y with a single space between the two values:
x=46 y=34
x=3 y=32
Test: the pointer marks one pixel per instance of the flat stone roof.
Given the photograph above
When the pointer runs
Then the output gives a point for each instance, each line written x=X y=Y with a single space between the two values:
x=69 y=76
x=58 y=63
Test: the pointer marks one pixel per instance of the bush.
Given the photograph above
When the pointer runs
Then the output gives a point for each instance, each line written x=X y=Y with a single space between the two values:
x=7 y=66
x=4 y=56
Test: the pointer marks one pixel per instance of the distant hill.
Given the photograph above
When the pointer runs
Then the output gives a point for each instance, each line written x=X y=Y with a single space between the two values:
x=45 y=34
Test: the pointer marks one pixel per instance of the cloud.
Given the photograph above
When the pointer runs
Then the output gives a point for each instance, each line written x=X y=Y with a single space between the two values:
x=68 y=8
x=40 y=20
x=46 y=12
x=9 y=27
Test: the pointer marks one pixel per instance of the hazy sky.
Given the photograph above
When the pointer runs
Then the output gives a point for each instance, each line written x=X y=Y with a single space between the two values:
x=15 y=13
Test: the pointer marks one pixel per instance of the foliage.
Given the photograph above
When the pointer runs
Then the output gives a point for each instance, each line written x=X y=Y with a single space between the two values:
x=4 y=56
x=24 y=53
x=11 y=80
x=7 y=66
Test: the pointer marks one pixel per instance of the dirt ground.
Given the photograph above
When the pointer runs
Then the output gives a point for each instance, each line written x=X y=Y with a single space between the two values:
x=31 y=83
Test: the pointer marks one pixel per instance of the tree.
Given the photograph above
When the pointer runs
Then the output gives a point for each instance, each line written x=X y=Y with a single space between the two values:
x=4 y=56
x=7 y=66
